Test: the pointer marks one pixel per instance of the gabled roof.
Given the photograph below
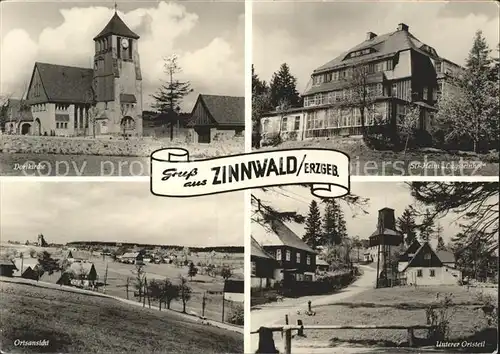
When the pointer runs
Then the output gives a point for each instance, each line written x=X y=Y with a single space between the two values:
x=85 y=266
x=225 y=110
x=384 y=45
x=25 y=263
x=278 y=234
x=117 y=27
x=258 y=251
x=389 y=232
x=65 y=83
x=7 y=263
x=413 y=248
x=419 y=260
x=130 y=255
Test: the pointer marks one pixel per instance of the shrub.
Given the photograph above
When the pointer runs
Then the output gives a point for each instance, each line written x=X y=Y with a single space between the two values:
x=271 y=139
x=440 y=315
x=237 y=315
x=489 y=309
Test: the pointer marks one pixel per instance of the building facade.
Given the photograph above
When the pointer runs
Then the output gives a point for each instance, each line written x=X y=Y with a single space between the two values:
x=295 y=260
x=103 y=100
x=428 y=267
x=263 y=267
x=382 y=77
x=218 y=118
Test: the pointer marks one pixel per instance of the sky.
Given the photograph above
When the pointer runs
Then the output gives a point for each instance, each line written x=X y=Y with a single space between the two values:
x=307 y=35
x=380 y=194
x=208 y=37
x=117 y=212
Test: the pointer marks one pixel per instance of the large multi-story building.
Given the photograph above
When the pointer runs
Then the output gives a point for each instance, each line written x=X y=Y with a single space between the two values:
x=103 y=100
x=382 y=75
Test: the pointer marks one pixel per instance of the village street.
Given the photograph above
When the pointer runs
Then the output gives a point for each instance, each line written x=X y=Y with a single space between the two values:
x=274 y=313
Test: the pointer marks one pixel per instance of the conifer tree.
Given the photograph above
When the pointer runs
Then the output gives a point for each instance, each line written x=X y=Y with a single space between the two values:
x=406 y=224
x=313 y=226
x=283 y=88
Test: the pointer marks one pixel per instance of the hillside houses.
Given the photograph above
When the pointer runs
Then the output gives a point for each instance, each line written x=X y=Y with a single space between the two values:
x=131 y=258
x=79 y=274
x=27 y=268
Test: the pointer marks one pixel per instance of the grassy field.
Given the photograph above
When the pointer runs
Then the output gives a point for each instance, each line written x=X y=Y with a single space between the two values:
x=201 y=284
x=395 y=306
x=90 y=324
x=366 y=161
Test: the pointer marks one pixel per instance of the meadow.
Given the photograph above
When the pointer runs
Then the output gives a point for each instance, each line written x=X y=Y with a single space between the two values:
x=74 y=323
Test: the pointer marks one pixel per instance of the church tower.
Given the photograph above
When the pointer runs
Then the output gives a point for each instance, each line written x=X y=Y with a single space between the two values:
x=117 y=82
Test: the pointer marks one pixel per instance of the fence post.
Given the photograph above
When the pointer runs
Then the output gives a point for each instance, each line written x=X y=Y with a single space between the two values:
x=266 y=341
x=309 y=305
x=286 y=319
x=410 y=337
x=300 y=332
x=288 y=340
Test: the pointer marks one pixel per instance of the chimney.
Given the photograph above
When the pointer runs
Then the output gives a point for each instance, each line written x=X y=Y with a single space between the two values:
x=386 y=219
x=403 y=27
x=370 y=35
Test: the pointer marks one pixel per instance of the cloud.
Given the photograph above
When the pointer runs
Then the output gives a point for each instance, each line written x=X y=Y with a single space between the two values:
x=164 y=29
x=117 y=211
x=307 y=36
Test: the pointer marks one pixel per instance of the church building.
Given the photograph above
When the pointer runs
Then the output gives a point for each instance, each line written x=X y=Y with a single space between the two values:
x=101 y=101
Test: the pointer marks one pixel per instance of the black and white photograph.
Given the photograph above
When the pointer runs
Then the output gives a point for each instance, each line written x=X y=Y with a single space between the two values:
x=404 y=88
x=93 y=88
x=393 y=267
x=107 y=267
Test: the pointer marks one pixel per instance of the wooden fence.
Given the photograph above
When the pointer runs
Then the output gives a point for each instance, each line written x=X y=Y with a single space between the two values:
x=266 y=340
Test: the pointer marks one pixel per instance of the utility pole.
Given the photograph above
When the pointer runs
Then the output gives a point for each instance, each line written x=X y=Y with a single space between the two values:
x=203 y=304
x=223 y=304
x=106 y=278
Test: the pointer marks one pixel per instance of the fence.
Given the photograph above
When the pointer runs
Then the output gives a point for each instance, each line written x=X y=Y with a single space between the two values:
x=267 y=345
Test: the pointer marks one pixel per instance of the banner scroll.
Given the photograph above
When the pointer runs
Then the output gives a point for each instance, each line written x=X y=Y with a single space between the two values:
x=173 y=175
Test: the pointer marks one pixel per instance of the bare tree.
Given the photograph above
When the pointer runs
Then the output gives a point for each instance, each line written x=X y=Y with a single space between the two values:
x=408 y=124
x=358 y=92
x=139 y=279
x=93 y=112
x=4 y=105
x=185 y=292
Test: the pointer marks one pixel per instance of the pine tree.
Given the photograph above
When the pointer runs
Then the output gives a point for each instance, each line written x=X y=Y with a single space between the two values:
x=329 y=236
x=471 y=112
x=259 y=87
x=171 y=93
x=283 y=88
x=407 y=226
x=427 y=227
x=313 y=226
x=440 y=246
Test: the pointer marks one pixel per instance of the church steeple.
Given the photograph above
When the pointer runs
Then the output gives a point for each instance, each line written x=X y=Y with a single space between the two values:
x=117 y=27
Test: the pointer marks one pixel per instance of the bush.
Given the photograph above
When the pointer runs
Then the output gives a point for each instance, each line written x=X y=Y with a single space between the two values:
x=273 y=139
x=440 y=315
x=237 y=315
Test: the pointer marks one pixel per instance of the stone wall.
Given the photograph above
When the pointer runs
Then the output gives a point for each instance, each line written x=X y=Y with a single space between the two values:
x=112 y=147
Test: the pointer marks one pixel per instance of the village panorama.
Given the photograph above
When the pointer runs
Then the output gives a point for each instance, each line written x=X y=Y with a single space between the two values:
x=166 y=283
x=391 y=268
x=127 y=90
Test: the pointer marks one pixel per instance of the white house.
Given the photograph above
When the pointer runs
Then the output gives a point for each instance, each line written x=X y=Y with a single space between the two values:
x=428 y=267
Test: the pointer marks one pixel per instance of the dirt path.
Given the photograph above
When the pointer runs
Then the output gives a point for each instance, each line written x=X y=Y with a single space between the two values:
x=274 y=313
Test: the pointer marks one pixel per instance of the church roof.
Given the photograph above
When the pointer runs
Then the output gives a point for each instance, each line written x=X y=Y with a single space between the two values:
x=65 y=83
x=117 y=27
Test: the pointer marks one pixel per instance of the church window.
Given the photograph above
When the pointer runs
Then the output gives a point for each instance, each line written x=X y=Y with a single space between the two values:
x=130 y=48
x=118 y=47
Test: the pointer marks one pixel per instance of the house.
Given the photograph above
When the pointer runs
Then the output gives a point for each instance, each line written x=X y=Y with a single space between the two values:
x=76 y=256
x=296 y=261
x=27 y=268
x=218 y=118
x=130 y=257
x=7 y=268
x=79 y=274
x=288 y=124
x=263 y=266
x=367 y=257
x=234 y=290
x=426 y=267
x=18 y=117
x=387 y=72
x=103 y=100
x=322 y=265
